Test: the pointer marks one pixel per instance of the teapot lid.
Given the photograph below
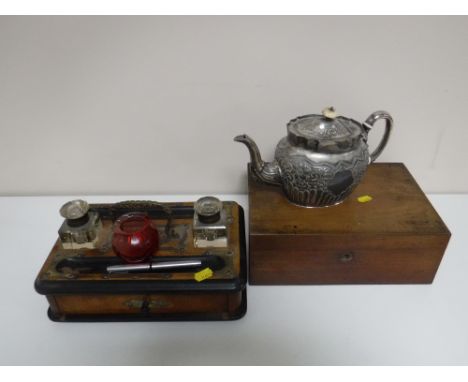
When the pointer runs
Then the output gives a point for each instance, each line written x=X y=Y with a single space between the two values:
x=326 y=132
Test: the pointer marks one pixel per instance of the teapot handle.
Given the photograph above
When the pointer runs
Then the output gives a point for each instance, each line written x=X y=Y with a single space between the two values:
x=369 y=124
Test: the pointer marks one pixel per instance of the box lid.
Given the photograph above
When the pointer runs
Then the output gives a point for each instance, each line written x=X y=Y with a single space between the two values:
x=398 y=206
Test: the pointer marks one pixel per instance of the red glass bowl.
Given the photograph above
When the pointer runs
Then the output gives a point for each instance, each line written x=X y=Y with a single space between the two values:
x=135 y=239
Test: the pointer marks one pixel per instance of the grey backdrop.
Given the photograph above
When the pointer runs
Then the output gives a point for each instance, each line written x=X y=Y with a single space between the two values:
x=98 y=105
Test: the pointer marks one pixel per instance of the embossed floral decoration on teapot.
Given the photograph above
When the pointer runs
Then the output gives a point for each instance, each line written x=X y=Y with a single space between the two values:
x=322 y=159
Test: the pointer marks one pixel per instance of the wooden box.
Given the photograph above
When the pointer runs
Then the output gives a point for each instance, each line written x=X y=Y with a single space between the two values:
x=78 y=287
x=397 y=237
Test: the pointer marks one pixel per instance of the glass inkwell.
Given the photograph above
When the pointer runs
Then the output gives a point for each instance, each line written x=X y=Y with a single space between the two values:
x=209 y=223
x=81 y=226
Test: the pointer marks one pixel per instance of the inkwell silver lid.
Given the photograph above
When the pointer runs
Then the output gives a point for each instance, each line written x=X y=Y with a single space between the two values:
x=208 y=209
x=75 y=211
x=326 y=132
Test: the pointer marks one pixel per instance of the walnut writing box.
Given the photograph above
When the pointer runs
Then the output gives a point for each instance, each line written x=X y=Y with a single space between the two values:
x=397 y=237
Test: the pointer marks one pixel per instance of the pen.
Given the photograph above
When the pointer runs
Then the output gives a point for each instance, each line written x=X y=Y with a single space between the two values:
x=155 y=266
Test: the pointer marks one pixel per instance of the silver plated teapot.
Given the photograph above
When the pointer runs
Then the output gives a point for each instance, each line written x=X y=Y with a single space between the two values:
x=322 y=159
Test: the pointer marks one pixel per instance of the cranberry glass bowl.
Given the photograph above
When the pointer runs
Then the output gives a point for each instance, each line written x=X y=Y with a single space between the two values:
x=135 y=239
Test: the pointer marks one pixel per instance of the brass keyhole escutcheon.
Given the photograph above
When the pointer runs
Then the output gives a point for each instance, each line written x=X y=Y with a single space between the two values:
x=347 y=257
x=146 y=305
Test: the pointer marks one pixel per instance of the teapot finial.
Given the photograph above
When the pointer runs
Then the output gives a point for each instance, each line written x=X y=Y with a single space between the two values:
x=329 y=112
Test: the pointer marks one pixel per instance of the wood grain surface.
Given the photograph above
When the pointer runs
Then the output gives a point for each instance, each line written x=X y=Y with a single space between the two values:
x=397 y=237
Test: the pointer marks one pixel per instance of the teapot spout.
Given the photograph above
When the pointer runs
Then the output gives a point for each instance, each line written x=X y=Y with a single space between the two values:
x=267 y=172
